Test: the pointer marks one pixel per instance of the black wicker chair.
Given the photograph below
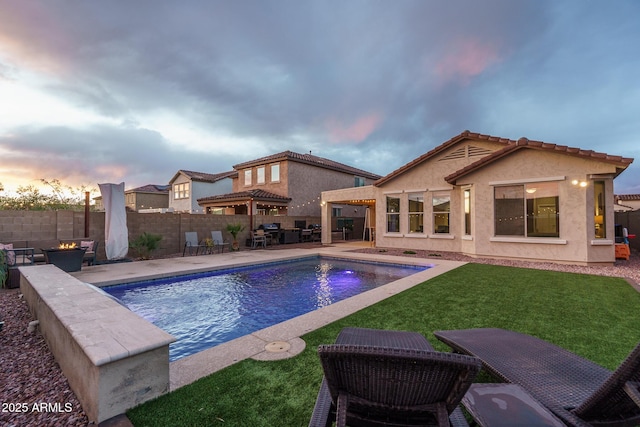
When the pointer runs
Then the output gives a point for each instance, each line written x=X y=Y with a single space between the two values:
x=575 y=389
x=403 y=383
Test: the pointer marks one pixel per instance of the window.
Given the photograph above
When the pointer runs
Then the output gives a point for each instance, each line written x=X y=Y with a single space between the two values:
x=600 y=217
x=181 y=191
x=441 y=208
x=416 y=213
x=530 y=210
x=260 y=174
x=247 y=177
x=336 y=211
x=359 y=181
x=275 y=172
x=393 y=215
x=467 y=211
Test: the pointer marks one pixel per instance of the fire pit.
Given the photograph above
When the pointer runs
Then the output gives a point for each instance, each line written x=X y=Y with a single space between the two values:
x=67 y=257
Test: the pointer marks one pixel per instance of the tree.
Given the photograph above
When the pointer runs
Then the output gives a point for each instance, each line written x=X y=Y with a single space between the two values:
x=31 y=198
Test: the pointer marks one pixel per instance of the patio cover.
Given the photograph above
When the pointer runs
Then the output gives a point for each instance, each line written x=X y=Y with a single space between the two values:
x=115 y=227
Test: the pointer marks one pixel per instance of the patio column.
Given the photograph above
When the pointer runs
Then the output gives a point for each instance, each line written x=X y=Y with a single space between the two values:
x=325 y=209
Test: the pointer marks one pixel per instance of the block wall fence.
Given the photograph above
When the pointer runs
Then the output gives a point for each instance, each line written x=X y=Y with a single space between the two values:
x=33 y=226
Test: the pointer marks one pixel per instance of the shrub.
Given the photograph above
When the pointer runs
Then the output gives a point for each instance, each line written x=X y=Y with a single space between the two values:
x=144 y=244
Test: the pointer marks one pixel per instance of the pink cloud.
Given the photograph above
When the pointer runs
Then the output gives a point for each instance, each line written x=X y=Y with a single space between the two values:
x=356 y=131
x=465 y=59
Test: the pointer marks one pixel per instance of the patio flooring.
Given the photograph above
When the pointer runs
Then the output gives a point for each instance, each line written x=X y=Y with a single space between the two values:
x=275 y=342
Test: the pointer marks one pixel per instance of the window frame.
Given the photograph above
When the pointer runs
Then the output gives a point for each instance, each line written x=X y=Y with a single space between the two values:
x=393 y=215
x=181 y=191
x=466 y=211
x=415 y=214
x=275 y=177
x=261 y=177
x=600 y=209
x=531 y=210
x=444 y=213
x=247 y=177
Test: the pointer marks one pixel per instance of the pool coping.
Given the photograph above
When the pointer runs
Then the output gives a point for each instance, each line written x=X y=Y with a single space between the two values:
x=274 y=342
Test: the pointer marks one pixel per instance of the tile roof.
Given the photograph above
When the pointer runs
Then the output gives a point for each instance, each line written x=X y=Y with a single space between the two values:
x=150 y=188
x=621 y=162
x=245 y=195
x=510 y=146
x=310 y=160
x=628 y=196
x=206 y=177
x=440 y=148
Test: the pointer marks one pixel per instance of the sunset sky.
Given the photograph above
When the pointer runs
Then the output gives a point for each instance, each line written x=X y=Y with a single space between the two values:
x=111 y=91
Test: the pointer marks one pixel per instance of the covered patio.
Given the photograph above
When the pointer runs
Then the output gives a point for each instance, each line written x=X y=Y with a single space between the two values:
x=251 y=202
x=356 y=196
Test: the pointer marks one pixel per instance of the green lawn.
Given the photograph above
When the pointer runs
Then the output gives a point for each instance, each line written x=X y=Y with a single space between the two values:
x=596 y=317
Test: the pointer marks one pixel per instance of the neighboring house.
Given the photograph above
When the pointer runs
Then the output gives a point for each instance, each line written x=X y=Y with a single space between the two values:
x=627 y=202
x=149 y=196
x=485 y=196
x=286 y=183
x=188 y=186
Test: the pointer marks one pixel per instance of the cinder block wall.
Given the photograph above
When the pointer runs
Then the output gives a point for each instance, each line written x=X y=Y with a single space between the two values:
x=32 y=226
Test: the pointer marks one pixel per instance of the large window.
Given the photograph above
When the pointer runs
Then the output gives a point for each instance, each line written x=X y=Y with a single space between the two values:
x=247 y=177
x=441 y=209
x=260 y=174
x=467 y=211
x=181 y=191
x=600 y=217
x=530 y=210
x=416 y=213
x=393 y=214
x=275 y=172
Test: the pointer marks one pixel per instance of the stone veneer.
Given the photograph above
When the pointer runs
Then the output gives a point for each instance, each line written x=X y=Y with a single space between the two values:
x=112 y=358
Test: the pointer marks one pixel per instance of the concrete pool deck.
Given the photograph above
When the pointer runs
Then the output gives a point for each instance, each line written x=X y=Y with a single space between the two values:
x=275 y=342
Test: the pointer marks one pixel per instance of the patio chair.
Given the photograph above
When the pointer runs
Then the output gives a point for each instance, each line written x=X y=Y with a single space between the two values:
x=192 y=243
x=218 y=241
x=380 y=378
x=576 y=390
x=259 y=238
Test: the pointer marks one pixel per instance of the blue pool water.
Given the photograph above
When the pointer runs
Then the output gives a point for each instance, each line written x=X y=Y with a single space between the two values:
x=207 y=309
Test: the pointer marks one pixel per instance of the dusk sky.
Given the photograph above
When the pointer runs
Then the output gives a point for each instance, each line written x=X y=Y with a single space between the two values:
x=110 y=91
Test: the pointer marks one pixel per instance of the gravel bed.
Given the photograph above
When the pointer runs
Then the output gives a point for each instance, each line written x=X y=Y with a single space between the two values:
x=33 y=390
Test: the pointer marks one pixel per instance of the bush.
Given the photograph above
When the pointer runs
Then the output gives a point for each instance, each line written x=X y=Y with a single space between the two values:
x=144 y=244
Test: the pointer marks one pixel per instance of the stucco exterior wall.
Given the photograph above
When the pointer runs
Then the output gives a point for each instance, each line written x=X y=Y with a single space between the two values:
x=307 y=182
x=576 y=243
x=197 y=190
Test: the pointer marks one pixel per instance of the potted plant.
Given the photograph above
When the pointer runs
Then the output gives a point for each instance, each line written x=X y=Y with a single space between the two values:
x=234 y=230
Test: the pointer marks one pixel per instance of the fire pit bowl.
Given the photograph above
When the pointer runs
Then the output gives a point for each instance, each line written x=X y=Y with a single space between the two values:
x=68 y=259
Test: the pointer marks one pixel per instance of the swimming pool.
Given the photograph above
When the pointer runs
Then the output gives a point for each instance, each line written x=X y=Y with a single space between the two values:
x=206 y=309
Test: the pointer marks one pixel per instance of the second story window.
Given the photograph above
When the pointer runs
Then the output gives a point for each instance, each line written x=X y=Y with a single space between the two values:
x=181 y=191
x=359 y=181
x=275 y=172
x=260 y=174
x=247 y=177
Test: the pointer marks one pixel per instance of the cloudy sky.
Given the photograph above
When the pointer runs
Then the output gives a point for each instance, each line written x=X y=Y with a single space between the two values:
x=112 y=91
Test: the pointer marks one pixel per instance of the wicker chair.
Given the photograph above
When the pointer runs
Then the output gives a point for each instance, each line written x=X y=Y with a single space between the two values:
x=575 y=389
x=404 y=383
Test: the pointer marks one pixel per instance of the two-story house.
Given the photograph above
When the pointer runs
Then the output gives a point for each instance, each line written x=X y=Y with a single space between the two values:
x=145 y=198
x=186 y=187
x=286 y=183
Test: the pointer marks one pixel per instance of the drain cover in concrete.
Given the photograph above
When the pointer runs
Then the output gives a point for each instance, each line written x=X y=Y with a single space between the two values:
x=277 y=347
